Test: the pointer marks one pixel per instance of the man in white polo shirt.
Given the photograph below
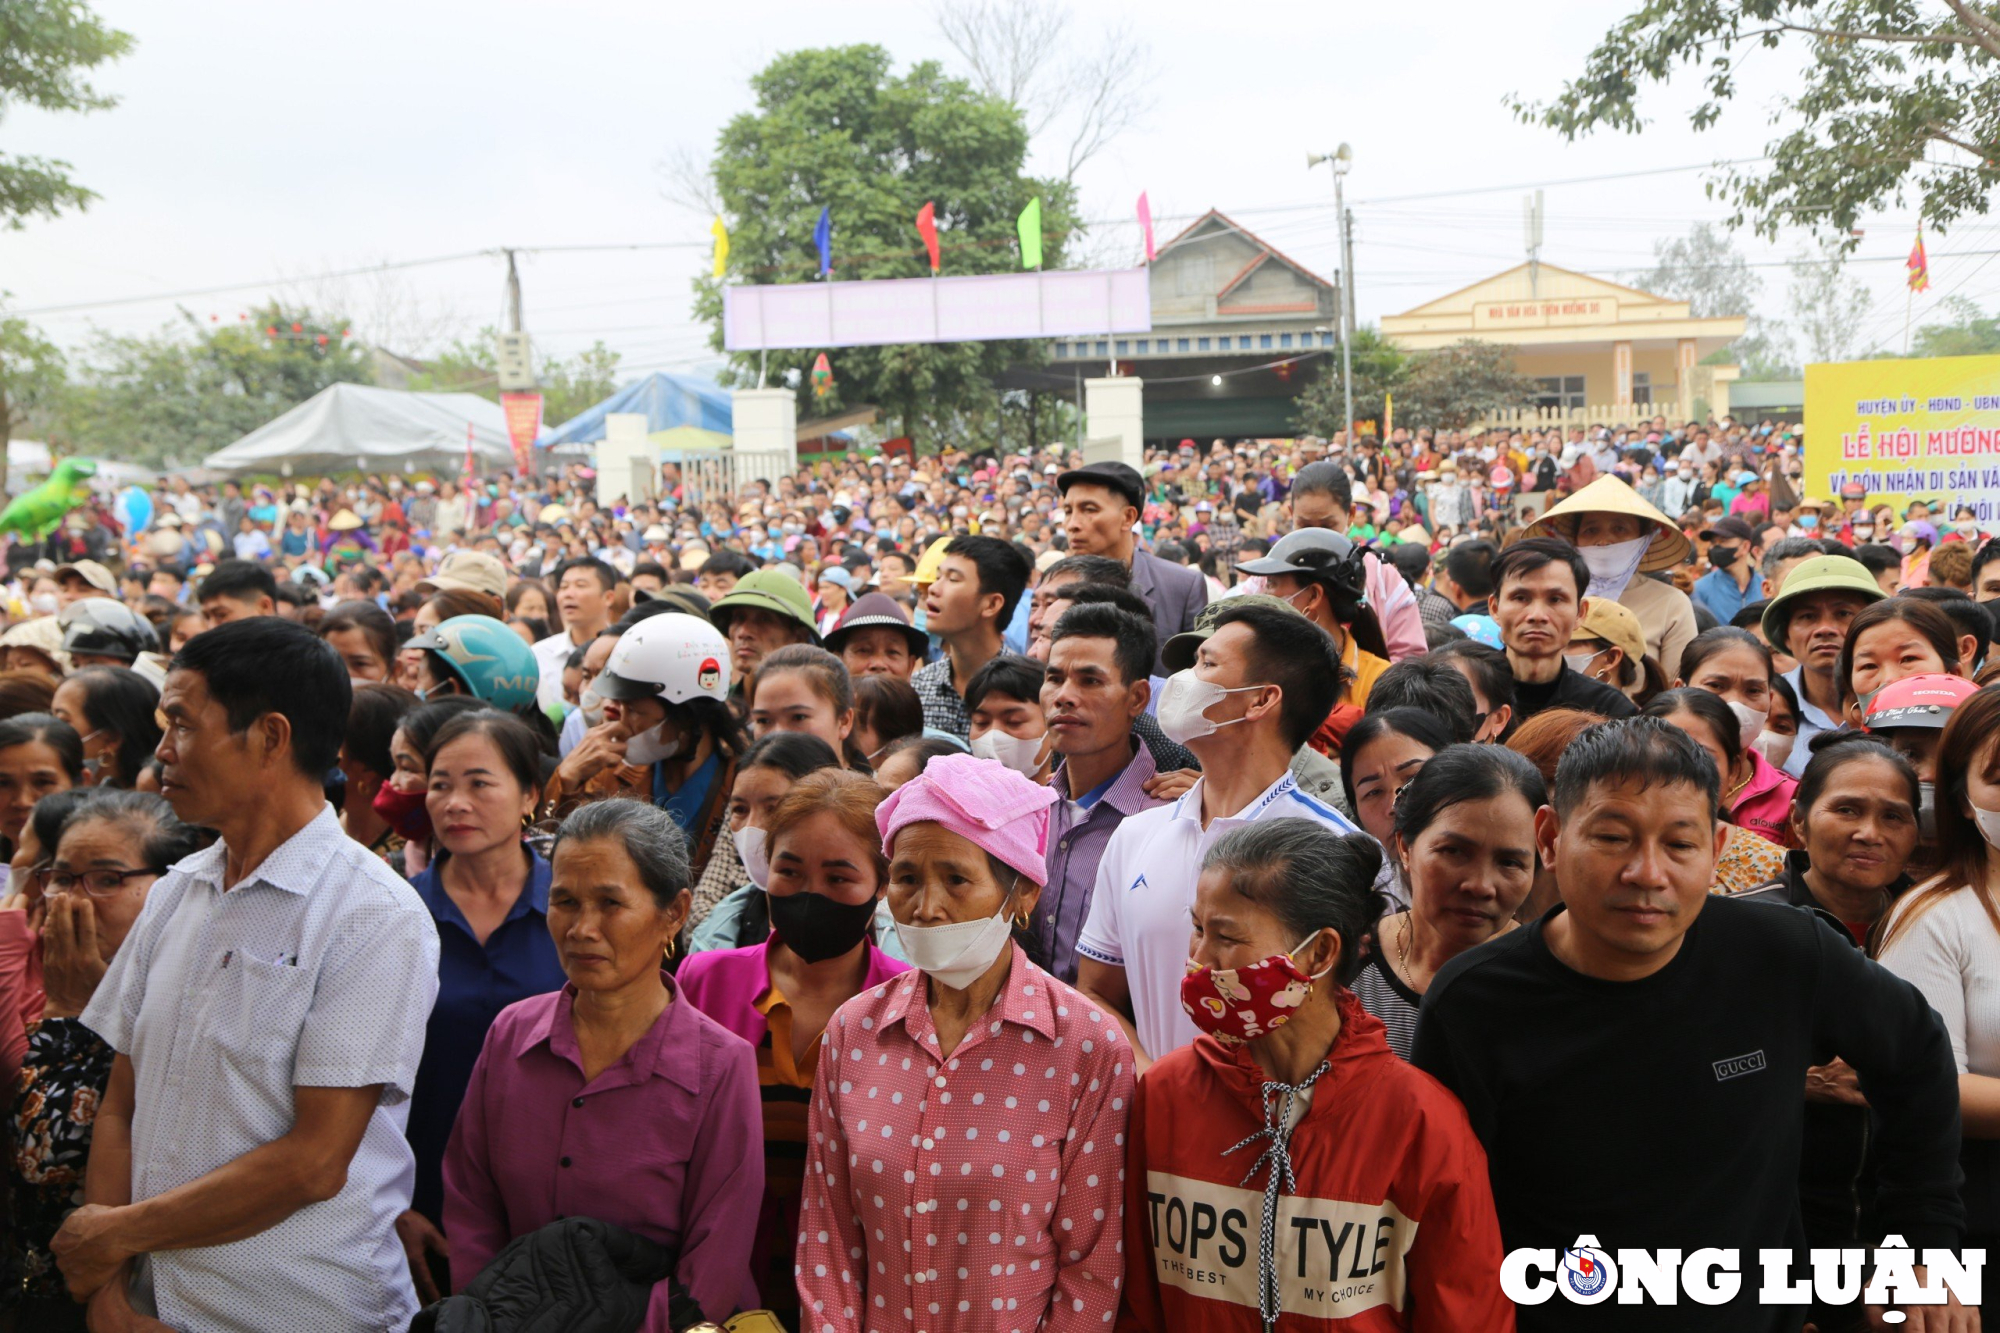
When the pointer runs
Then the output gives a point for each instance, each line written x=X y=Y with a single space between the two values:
x=1264 y=679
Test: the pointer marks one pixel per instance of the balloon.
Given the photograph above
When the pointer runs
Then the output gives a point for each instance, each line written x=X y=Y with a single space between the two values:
x=135 y=510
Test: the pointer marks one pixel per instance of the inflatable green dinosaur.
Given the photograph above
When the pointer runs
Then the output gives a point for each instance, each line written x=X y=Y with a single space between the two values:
x=35 y=514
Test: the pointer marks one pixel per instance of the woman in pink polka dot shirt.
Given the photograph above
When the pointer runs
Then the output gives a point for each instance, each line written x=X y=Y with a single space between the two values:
x=966 y=1151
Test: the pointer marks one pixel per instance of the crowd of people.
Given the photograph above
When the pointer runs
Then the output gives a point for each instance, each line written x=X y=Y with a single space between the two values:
x=1254 y=890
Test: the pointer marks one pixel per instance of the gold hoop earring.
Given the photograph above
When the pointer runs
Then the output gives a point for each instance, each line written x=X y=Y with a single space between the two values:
x=1022 y=921
x=667 y=954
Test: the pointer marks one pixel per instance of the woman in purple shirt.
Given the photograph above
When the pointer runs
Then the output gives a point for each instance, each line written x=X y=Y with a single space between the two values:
x=614 y=1098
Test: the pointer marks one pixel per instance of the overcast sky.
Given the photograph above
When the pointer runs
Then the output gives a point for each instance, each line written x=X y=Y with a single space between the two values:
x=258 y=141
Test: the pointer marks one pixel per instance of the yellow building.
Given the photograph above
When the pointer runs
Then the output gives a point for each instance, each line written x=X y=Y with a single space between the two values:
x=1599 y=351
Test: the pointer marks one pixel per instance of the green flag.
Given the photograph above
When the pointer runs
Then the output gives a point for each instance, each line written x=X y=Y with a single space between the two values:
x=1031 y=234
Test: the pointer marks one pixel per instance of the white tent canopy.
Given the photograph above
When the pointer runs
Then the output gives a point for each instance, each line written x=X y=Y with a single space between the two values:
x=356 y=427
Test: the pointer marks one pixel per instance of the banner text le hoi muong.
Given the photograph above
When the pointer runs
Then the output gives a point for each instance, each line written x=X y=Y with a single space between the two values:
x=1907 y=430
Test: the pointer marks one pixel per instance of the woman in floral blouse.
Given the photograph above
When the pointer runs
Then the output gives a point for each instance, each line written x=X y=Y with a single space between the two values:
x=112 y=848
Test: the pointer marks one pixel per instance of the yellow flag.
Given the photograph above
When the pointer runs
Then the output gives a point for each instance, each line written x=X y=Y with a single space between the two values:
x=1388 y=415
x=721 y=234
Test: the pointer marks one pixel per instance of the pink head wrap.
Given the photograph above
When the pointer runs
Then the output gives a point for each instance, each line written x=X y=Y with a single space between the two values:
x=982 y=801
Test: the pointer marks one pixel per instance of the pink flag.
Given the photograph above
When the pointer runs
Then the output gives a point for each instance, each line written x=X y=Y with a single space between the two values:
x=1146 y=224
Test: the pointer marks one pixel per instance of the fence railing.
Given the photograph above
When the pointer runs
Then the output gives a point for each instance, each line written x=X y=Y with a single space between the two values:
x=1592 y=414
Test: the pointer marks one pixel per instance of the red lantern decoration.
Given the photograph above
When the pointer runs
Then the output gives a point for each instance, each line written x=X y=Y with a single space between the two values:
x=322 y=340
x=298 y=328
x=271 y=332
x=347 y=333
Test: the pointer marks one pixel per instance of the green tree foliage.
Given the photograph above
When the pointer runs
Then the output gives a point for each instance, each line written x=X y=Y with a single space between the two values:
x=1378 y=371
x=1448 y=388
x=32 y=376
x=46 y=46
x=1894 y=97
x=836 y=127
x=568 y=384
x=169 y=397
x=1454 y=386
x=1966 y=331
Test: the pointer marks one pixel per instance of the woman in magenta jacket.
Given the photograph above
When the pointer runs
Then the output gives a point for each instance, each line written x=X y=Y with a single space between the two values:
x=826 y=875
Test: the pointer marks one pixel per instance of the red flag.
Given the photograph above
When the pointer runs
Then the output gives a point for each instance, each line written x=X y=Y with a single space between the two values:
x=927 y=228
x=1919 y=266
x=1146 y=224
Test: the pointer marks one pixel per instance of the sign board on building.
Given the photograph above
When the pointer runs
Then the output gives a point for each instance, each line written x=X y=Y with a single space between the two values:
x=1554 y=313
x=1925 y=429
x=517 y=361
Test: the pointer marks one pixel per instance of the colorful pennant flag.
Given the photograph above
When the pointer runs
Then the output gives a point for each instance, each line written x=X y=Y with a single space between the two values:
x=1030 y=227
x=721 y=235
x=1146 y=224
x=927 y=228
x=1919 y=265
x=1388 y=415
x=822 y=377
x=823 y=238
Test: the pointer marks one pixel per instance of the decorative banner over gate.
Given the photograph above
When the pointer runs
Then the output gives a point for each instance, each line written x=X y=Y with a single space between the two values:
x=930 y=310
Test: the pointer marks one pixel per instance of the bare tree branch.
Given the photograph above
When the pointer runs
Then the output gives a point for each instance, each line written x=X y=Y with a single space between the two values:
x=384 y=309
x=687 y=182
x=1010 y=46
x=1111 y=94
x=1970 y=15
x=1918 y=38
x=1013 y=49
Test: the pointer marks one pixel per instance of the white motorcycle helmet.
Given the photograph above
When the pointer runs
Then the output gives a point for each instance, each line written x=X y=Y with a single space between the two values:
x=673 y=656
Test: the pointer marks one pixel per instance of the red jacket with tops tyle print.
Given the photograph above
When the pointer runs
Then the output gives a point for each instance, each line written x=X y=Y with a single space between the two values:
x=1391 y=1225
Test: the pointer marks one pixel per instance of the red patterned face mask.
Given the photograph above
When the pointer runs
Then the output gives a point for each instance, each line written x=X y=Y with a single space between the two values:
x=1239 y=1004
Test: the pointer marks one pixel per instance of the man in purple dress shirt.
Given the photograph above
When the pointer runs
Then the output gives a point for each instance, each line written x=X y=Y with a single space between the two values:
x=1096 y=688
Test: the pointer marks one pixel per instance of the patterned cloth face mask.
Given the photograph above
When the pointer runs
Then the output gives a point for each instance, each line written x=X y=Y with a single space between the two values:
x=1239 y=1004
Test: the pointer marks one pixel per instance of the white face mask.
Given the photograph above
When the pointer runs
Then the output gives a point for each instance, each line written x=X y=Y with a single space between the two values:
x=1989 y=825
x=43 y=603
x=1776 y=747
x=1750 y=720
x=591 y=704
x=648 y=748
x=958 y=954
x=754 y=853
x=1580 y=662
x=1023 y=756
x=1612 y=567
x=1184 y=704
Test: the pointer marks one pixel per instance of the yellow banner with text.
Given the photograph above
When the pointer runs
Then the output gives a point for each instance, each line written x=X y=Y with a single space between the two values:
x=1907 y=430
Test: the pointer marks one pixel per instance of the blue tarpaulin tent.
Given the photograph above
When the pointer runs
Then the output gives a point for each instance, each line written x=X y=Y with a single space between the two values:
x=664 y=400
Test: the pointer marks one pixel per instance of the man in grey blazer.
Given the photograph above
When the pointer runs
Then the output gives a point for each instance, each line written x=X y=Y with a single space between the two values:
x=1101 y=505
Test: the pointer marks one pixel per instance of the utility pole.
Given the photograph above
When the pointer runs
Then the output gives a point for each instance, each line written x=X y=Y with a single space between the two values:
x=1531 y=227
x=513 y=294
x=1342 y=158
x=1347 y=265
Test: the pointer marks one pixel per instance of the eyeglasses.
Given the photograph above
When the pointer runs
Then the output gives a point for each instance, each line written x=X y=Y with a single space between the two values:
x=95 y=883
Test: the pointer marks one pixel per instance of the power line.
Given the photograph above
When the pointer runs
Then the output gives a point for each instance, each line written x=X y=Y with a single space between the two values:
x=391 y=266
x=242 y=286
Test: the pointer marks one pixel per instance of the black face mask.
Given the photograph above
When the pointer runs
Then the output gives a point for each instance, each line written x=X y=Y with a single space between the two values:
x=1722 y=557
x=817 y=928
